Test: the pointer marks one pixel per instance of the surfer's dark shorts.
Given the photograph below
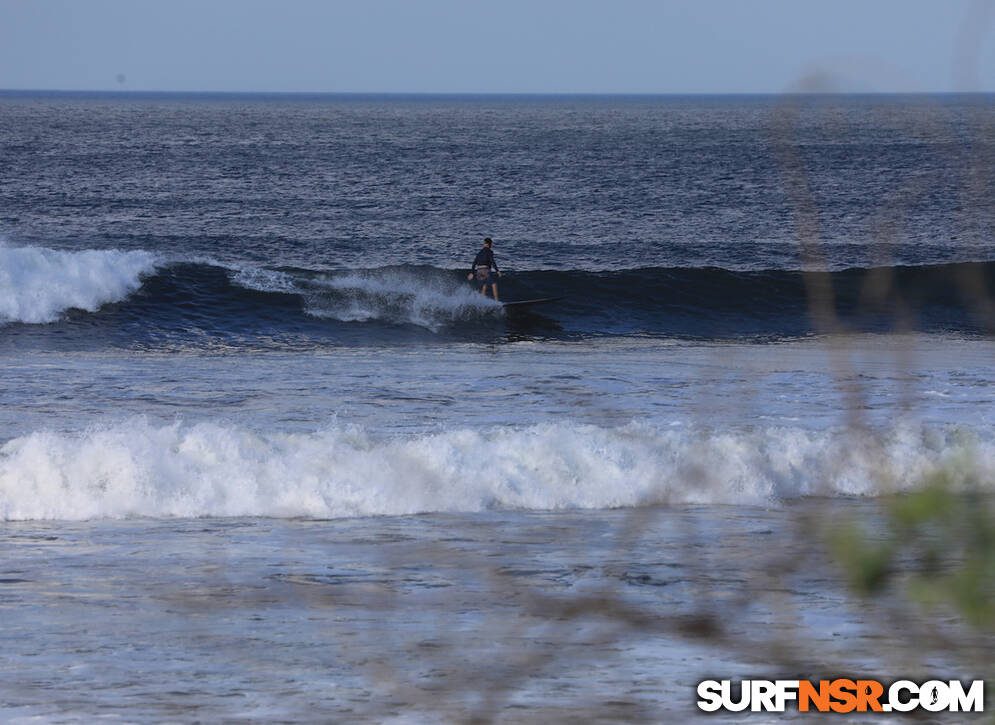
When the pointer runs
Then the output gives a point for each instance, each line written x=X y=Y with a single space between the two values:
x=484 y=276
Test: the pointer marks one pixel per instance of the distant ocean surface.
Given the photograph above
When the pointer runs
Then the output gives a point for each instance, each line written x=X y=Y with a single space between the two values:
x=236 y=332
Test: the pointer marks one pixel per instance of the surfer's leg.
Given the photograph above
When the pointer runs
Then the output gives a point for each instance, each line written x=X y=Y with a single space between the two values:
x=494 y=287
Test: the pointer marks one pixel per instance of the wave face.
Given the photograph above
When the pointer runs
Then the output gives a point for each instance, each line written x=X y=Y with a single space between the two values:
x=198 y=300
x=39 y=285
x=719 y=303
x=136 y=469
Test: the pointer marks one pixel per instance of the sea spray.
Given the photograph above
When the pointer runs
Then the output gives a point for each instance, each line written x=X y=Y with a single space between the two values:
x=422 y=296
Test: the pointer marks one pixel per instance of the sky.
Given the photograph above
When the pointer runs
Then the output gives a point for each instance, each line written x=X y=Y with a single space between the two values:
x=501 y=46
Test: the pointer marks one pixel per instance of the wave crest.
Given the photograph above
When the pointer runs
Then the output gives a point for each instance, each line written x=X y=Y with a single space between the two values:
x=38 y=285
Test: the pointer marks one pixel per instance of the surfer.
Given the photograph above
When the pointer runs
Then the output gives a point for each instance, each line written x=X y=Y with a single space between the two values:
x=481 y=269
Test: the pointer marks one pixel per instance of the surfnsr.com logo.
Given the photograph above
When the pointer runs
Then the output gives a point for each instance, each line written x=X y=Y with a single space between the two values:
x=840 y=695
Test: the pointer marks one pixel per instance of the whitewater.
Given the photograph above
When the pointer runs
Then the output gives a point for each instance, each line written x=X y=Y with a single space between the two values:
x=136 y=470
x=38 y=285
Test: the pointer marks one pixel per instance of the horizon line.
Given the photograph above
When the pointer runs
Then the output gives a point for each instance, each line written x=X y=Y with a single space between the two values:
x=483 y=94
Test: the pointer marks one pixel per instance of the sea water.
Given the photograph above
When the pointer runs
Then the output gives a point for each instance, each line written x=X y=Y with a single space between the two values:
x=266 y=455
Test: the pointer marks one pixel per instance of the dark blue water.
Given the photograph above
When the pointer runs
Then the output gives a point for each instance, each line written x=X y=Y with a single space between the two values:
x=322 y=220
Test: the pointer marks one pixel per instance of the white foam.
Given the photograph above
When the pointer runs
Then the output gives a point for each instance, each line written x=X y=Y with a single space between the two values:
x=135 y=468
x=38 y=285
x=261 y=279
x=396 y=296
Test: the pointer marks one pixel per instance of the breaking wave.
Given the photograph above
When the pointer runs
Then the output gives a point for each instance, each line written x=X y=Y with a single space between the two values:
x=38 y=285
x=137 y=469
x=203 y=298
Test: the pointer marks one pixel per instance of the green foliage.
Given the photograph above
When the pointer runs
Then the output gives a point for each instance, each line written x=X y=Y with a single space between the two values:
x=938 y=541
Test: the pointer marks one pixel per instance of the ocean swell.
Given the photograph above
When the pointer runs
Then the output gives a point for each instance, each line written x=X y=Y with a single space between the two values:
x=198 y=297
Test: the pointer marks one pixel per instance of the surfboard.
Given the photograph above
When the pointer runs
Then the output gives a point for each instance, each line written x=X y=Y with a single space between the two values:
x=525 y=304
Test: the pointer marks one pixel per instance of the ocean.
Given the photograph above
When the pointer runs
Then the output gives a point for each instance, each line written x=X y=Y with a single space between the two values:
x=266 y=455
